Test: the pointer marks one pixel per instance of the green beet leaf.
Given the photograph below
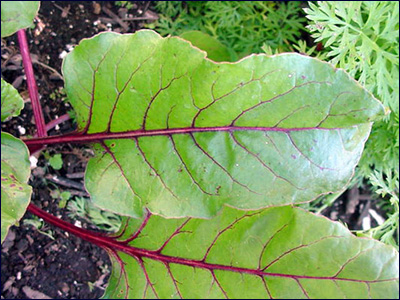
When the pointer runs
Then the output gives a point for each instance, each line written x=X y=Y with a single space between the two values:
x=11 y=101
x=281 y=253
x=183 y=136
x=15 y=165
x=216 y=51
x=15 y=171
x=16 y=15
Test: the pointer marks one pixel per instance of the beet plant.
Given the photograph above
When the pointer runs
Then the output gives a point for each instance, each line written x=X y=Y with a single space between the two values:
x=206 y=163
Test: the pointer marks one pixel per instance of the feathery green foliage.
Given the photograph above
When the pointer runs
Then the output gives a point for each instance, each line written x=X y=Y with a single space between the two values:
x=362 y=37
x=243 y=26
x=84 y=208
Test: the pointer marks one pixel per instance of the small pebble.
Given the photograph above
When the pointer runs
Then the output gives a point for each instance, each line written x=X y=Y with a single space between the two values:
x=33 y=161
x=21 y=130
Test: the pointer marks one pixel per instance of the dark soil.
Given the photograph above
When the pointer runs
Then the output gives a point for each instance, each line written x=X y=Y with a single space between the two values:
x=66 y=267
x=57 y=265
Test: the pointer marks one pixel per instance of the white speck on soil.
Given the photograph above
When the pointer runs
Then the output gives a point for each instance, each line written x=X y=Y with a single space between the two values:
x=33 y=161
x=366 y=223
x=63 y=54
x=21 y=130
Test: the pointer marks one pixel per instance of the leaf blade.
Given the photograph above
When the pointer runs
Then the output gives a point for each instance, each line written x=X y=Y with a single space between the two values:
x=11 y=101
x=16 y=15
x=15 y=171
x=177 y=107
x=251 y=255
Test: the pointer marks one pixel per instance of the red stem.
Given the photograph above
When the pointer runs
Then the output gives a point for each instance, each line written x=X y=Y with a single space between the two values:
x=56 y=122
x=50 y=125
x=87 y=235
x=98 y=137
x=31 y=82
x=109 y=243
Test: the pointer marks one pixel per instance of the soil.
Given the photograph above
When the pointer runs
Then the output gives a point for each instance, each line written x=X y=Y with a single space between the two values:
x=46 y=262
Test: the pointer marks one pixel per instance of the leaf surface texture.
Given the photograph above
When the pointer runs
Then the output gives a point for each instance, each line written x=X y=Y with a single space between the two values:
x=11 y=101
x=15 y=171
x=192 y=135
x=281 y=252
x=16 y=15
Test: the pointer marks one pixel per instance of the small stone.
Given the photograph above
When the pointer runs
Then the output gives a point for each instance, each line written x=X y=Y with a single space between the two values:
x=7 y=285
x=21 y=130
x=96 y=8
x=38 y=171
x=65 y=288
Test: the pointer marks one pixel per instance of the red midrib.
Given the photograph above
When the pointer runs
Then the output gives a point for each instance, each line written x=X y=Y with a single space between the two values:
x=109 y=243
x=96 y=137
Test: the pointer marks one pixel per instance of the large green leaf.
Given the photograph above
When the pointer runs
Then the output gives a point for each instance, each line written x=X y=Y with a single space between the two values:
x=186 y=135
x=15 y=171
x=281 y=252
x=11 y=101
x=16 y=15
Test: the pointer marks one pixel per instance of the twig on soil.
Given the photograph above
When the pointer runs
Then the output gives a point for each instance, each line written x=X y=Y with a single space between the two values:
x=148 y=15
x=7 y=53
x=15 y=65
x=116 y=18
x=76 y=175
x=31 y=82
x=147 y=6
x=55 y=72
x=79 y=193
x=353 y=200
x=65 y=182
x=33 y=294
x=65 y=10
x=363 y=214
x=141 y=18
x=106 y=20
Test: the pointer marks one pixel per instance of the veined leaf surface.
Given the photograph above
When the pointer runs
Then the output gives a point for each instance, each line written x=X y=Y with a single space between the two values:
x=16 y=15
x=15 y=171
x=11 y=101
x=186 y=136
x=282 y=252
